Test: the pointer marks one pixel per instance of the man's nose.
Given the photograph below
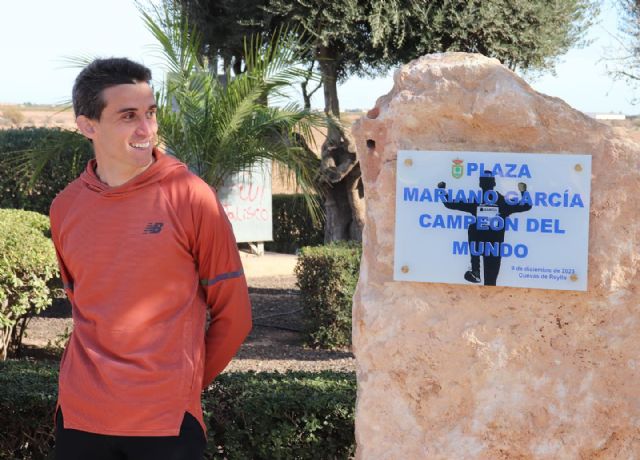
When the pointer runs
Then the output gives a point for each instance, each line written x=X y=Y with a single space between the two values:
x=146 y=127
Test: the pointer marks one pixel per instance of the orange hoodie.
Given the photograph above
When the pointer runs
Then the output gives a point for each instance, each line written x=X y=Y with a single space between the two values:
x=142 y=264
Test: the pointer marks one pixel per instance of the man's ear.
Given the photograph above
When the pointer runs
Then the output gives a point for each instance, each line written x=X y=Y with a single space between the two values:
x=86 y=126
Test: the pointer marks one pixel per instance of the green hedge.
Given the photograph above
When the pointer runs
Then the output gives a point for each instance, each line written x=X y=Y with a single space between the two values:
x=293 y=227
x=27 y=267
x=294 y=415
x=271 y=416
x=68 y=150
x=27 y=403
x=327 y=278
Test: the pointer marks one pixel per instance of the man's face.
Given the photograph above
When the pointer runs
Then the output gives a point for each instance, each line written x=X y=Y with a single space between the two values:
x=124 y=136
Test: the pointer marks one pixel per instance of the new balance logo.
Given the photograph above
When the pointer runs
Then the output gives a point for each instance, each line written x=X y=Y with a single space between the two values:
x=153 y=227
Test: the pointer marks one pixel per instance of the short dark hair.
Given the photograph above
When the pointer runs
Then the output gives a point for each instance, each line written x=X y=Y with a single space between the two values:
x=100 y=75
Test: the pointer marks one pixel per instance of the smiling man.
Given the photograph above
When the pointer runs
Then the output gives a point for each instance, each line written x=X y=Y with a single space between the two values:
x=151 y=267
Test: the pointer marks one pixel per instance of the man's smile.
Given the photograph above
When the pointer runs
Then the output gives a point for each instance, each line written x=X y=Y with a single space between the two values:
x=140 y=145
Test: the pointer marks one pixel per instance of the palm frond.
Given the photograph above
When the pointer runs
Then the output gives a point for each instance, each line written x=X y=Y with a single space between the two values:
x=178 y=44
x=79 y=61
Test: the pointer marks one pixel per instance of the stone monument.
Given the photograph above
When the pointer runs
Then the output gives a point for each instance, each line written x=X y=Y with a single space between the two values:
x=451 y=371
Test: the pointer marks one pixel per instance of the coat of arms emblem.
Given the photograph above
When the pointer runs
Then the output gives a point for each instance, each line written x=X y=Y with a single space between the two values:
x=457 y=169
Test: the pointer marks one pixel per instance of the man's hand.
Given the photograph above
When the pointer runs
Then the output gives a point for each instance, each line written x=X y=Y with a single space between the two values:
x=441 y=185
x=522 y=187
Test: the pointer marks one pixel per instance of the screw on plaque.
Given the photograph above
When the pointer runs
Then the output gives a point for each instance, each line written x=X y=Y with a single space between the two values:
x=578 y=167
x=404 y=269
x=573 y=277
x=408 y=162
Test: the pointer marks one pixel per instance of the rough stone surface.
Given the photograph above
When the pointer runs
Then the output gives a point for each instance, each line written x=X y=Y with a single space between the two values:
x=474 y=372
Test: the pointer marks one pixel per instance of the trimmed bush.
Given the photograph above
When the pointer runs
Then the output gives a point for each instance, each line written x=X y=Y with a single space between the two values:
x=27 y=405
x=272 y=416
x=293 y=227
x=327 y=278
x=294 y=415
x=69 y=152
x=27 y=265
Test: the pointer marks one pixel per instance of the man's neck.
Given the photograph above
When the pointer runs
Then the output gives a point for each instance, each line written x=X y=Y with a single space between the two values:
x=115 y=177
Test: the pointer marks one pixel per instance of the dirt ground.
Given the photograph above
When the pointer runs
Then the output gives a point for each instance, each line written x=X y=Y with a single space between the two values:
x=274 y=344
x=19 y=116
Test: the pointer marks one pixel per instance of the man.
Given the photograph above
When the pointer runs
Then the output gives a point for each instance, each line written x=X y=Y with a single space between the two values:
x=147 y=257
x=476 y=233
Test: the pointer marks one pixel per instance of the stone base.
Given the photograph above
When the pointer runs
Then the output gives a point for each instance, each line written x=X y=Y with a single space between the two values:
x=461 y=372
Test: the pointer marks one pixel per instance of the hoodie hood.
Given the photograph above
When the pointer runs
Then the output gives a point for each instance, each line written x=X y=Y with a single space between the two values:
x=161 y=168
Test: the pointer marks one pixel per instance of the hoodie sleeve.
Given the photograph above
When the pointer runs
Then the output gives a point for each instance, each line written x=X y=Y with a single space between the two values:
x=55 y=218
x=222 y=279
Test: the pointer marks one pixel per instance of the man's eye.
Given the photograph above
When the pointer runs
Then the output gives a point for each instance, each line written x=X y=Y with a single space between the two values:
x=151 y=114
x=129 y=115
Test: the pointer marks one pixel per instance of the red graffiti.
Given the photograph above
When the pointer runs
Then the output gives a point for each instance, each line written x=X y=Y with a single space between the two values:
x=247 y=192
x=238 y=213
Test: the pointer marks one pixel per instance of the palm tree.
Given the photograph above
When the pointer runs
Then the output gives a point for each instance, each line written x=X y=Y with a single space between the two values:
x=222 y=126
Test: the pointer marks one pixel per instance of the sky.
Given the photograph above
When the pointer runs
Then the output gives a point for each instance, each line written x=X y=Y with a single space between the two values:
x=37 y=35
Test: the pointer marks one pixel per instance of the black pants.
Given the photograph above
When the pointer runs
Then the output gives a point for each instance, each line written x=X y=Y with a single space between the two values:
x=81 y=445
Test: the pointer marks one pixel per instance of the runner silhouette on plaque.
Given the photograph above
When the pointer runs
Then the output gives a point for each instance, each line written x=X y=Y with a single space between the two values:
x=497 y=206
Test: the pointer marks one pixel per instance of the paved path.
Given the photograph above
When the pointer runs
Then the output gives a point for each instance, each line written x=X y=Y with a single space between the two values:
x=269 y=264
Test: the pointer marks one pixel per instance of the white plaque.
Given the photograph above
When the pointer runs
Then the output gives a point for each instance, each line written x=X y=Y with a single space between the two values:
x=246 y=198
x=487 y=218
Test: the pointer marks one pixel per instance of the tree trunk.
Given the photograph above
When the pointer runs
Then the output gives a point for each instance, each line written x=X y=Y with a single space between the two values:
x=327 y=58
x=305 y=95
x=344 y=202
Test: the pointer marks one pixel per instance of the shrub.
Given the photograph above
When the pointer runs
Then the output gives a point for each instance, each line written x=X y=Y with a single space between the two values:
x=294 y=415
x=327 y=278
x=27 y=404
x=27 y=265
x=293 y=227
x=68 y=150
